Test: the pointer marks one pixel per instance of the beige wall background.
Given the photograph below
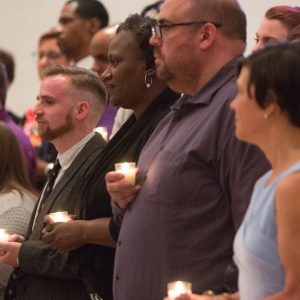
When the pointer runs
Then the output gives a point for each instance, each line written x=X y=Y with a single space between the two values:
x=22 y=22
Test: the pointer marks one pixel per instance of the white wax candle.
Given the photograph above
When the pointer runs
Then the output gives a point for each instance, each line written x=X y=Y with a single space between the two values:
x=3 y=235
x=176 y=288
x=128 y=169
x=102 y=131
x=60 y=216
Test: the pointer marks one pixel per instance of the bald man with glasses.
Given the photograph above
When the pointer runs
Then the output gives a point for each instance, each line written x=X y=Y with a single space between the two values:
x=195 y=178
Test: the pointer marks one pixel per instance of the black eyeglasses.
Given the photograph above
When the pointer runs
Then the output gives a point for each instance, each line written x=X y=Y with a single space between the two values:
x=157 y=29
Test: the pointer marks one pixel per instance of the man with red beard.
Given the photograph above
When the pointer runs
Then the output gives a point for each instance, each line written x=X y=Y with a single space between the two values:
x=69 y=104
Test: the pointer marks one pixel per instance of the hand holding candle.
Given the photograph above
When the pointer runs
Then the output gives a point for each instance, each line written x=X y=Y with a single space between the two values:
x=177 y=288
x=3 y=235
x=128 y=169
x=60 y=217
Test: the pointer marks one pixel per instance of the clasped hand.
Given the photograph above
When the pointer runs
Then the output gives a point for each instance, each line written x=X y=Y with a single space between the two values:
x=121 y=191
x=9 y=250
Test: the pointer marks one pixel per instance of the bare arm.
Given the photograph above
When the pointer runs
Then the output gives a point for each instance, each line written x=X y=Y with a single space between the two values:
x=288 y=224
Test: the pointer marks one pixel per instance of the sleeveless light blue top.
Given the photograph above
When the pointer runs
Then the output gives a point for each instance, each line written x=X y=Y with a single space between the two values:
x=255 y=246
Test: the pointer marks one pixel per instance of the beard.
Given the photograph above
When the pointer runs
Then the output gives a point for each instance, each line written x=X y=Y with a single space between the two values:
x=49 y=134
x=162 y=70
x=163 y=73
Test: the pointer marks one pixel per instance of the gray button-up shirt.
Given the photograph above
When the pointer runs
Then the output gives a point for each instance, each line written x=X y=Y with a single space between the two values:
x=196 y=182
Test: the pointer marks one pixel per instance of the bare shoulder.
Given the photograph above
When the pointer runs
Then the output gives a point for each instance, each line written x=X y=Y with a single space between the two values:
x=288 y=192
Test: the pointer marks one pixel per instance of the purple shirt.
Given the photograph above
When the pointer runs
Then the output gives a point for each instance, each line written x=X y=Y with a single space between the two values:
x=24 y=141
x=108 y=118
x=196 y=180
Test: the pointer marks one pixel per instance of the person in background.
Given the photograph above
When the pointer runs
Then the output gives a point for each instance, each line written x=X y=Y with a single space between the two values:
x=16 y=193
x=48 y=54
x=8 y=60
x=195 y=178
x=267 y=110
x=69 y=104
x=152 y=10
x=132 y=83
x=99 y=51
x=28 y=150
x=276 y=25
x=79 y=21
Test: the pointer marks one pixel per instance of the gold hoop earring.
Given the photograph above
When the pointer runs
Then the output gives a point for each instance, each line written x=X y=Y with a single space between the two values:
x=266 y=116
x=148 y=81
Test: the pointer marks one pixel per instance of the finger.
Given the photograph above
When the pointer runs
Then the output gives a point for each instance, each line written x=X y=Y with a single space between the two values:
x=47 y=219
x=113 y=176
x=48 y=238
x=15 y=238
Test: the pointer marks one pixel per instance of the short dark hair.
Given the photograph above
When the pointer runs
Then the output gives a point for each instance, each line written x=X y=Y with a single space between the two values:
x=81 y=78
x=276 y=69
x=140 y=28
x=52 y=33
x=287 y=15
x=9 y=63
x=154 y=7
x=88 y=9
x=226 y=12
x=3 y=83
x=84 y=80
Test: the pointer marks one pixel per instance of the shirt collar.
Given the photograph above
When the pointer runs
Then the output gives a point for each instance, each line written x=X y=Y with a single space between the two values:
x=68 y=157
x=205 y=94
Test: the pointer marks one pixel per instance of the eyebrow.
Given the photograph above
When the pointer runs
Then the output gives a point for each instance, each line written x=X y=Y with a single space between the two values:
x=45 y=97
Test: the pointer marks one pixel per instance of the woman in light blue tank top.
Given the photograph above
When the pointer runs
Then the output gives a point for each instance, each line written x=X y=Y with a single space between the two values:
x=267 y=111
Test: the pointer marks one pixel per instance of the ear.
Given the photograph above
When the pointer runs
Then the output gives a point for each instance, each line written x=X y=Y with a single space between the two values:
x=207 y=35
x=272 y=107
x=95 y=25
x=82 y=110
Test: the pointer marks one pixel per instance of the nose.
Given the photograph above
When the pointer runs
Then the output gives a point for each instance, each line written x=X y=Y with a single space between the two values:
x=43 y=61
x=232 y=104
x=37 y=111
x=106 y=75
x=154 y=41
x=95 y=68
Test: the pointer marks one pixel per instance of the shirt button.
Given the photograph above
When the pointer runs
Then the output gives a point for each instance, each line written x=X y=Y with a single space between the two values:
x=119 y=243
x=10 y=292
x=14 y=276
x=117 y=277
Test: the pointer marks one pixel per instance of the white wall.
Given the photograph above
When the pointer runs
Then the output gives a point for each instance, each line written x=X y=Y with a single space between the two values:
x=22 y=22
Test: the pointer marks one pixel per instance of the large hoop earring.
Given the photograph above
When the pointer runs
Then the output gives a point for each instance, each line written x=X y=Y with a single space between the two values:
x=148 y=81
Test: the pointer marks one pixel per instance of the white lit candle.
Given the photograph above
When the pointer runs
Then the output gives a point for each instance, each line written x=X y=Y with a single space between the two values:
x=176 y=288
x=102 y=131
x=60 y=217
x=3 y=235
x=128 y=169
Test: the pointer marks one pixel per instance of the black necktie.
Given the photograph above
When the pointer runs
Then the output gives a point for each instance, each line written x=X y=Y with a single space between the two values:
x=51 y=179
